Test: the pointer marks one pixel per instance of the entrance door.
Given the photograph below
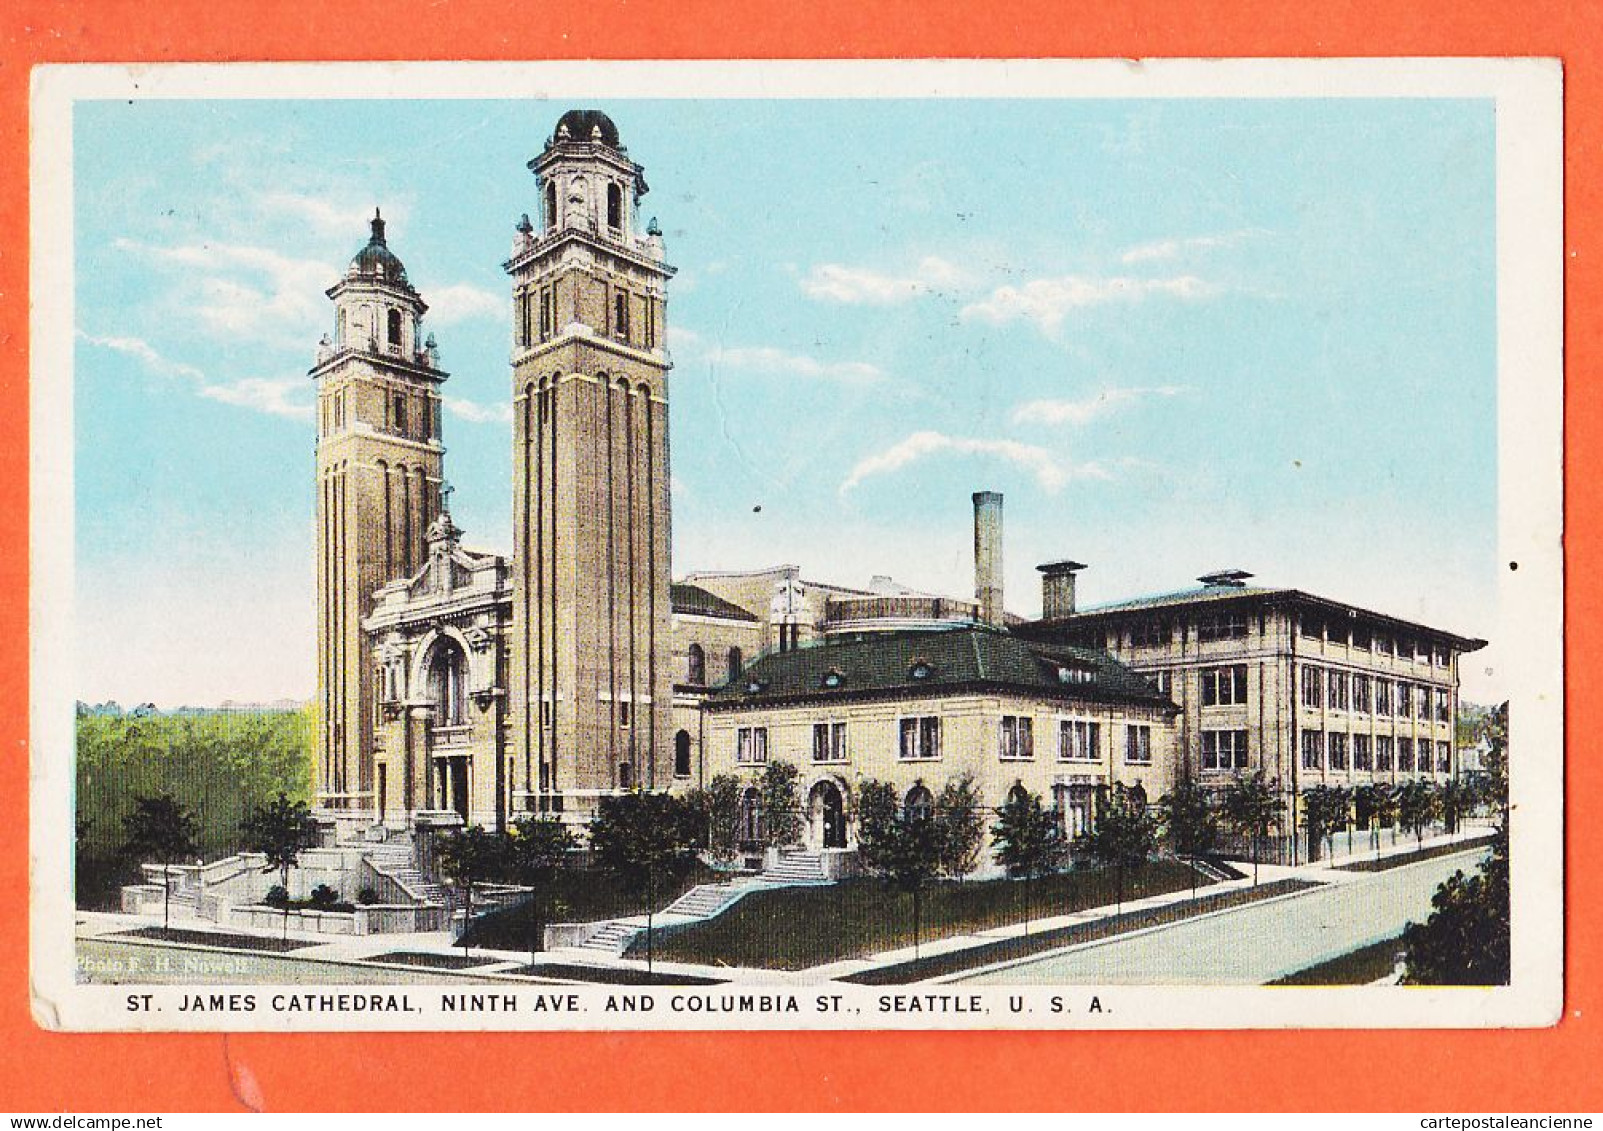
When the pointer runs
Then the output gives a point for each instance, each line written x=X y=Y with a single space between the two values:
x=383 y=791
x=459 y=786
x=831 y=810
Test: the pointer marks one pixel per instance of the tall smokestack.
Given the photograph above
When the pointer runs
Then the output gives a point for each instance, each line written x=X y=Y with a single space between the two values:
x=1057 y=588
x=988 y=556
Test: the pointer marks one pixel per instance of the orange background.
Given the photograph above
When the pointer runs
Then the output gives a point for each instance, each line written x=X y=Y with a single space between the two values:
x=1551 y=1070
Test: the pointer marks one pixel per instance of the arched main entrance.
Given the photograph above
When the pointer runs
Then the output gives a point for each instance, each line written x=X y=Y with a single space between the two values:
x=827 y=815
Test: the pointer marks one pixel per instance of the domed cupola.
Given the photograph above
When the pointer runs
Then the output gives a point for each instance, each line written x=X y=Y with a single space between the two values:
x=586 y=126
x=376 y=261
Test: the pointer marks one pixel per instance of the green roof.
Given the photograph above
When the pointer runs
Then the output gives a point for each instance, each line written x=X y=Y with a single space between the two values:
x=934 y=661
x=693 y=600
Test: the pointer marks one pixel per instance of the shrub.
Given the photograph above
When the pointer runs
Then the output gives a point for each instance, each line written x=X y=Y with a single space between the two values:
x=324 y=897
x=367 y=897
x=277 y=896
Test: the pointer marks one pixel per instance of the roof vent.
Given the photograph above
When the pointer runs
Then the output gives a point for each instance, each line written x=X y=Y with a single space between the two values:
x=1225 y=579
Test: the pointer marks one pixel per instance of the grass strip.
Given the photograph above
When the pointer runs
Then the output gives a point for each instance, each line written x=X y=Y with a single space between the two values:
x=432 y=961
x=1386 y=863
x=1355 y=968
x=217 y=938
x=613 y=975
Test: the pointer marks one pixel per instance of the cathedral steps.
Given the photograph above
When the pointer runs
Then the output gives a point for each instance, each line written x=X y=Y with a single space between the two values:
x=396 y=862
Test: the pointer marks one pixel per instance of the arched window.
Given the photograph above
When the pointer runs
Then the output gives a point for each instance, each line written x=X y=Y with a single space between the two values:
x=919 y=804
x=614 y=206
x=342 y=331
x=395 y=328
x=550 y=205
x=681 y=754
x=448 y=683
x=1018 y=795
x=698 y=666
x=736 y=663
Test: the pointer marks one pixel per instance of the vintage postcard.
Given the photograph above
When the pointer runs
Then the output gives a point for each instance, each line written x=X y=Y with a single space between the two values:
x=797 y=545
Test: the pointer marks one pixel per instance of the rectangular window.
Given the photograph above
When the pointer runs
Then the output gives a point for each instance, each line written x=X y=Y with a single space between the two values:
x=1311 y=627
x=1383 y=697
x=1338 y=691
x=829 y=742
x=1444 y=658
x=1232 y=626
x=1313 y=749
x=1362 y=638
x=1138 y=745
x=1224 y=686
x=1337 y=633
x=1444 y=758
x=651 y=323
x=1078 y=740
x=1018 y=737
x=1444 y=706
x=620 y=315
x=1383 y=752
x=1422 y=710
x=1405 y=755
x=400 y=413
x=1337 y=748
x=1150 y=633
x=1163 y=681
x=546 y=313
x=1313 y=687
x=1405 y=700
x=1224 y=750
x=1383 y=645
x=751 y=745
x=1361 y=697
x=1362 y=752
x=625 y=710
x=545 y=714
x=921 y=738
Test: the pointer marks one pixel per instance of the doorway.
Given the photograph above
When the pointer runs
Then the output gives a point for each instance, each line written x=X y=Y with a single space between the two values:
x=829 y=815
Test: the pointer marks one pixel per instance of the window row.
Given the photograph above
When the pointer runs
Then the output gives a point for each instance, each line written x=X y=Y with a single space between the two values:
x=919 y=739
x=1361 y=636
x=1346 y=691
x=696 y=665
x=1379 y=753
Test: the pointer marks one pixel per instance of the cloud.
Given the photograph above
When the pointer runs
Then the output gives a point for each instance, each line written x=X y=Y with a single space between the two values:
x=472 y=411
x=459 y=302
x=1049 y=411
x=273 y=396
x=1171 y=248
x=245 y=290
x=1046 y=302
x=321 y=214
x=766 y=359
x=835 y=282
x=681 y=338
x=1048 y=471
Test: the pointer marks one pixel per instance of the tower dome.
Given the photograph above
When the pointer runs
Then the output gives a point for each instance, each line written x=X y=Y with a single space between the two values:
x=586 y=125
x=376 y=260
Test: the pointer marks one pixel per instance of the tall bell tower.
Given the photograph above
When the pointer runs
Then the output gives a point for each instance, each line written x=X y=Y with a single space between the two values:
x=379 y=466
x=592 y=692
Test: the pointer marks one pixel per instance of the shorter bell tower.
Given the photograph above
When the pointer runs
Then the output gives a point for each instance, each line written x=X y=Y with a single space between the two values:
x=380 y=461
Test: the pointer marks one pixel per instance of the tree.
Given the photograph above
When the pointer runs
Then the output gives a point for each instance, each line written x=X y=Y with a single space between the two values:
x=280 y=830
x=781 y=806
x=1252 y=808
x=904 y=849
x=1381 y=801
x=723 y=818
x=1029 y=842
x=1189 y=822
x=537 y=850
x=161 y=829
x=470 y=856
x=1416 y=806
x=644 y=840
x=960 y=813
x=1324 y=810
x=1123 y=836
x=1465 y=942
x=1453 y=799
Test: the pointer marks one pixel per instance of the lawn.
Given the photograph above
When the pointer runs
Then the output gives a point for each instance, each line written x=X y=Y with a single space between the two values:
x=430 y=961
x=612 y=975
x=794 y=928
x=217 y=938
x=1355 y=968
x=580 y=896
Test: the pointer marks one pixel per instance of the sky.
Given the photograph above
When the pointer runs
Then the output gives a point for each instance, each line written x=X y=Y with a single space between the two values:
x=1178 y=335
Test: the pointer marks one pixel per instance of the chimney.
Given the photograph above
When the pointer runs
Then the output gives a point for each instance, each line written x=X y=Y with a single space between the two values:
x=1057 y=588
x=988 y=556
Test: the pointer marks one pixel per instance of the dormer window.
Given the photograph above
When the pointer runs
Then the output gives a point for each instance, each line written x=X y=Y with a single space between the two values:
x=833 y=679
x=920 y=670
x=753 y=686
x=1072 y=675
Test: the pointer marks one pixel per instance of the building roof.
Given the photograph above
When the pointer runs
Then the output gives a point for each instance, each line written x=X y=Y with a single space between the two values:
x=580 y=124
x=934 y=661
x=1218 y=594
x=693 y=600
x=376 y=260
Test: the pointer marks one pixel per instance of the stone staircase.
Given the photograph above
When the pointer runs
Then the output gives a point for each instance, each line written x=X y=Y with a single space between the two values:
x=706 y=900
x=796 y=868
x=395 y=861
x=613 y=939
